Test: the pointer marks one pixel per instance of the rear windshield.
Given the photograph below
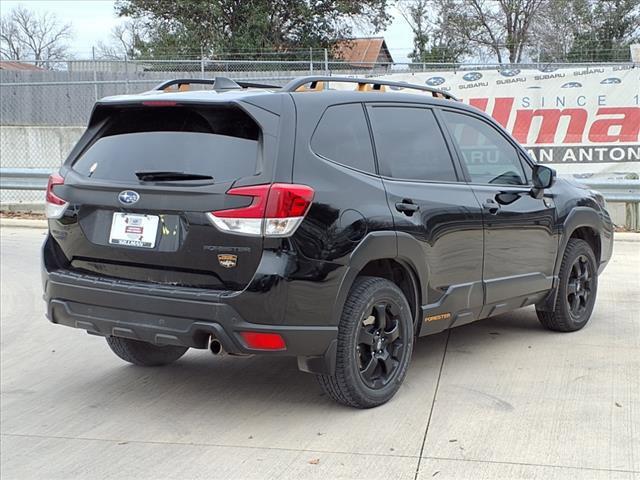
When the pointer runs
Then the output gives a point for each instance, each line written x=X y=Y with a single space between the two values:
x=218 y=142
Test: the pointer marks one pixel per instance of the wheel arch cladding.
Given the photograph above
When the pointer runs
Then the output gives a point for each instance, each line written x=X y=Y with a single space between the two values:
x=591 y=236
x=583 y=223
x=378 y=255
x=402 y=275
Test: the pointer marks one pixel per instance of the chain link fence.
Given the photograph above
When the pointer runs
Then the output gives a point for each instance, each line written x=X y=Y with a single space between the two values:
x=44 y=107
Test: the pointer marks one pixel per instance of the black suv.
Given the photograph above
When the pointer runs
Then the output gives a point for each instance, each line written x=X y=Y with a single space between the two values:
x=335 y=225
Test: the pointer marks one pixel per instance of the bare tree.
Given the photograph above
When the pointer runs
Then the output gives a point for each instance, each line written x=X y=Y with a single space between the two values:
x=499 y=25
x=28 y=36
x=554 y=30
x=125 y=41
x=11 y=47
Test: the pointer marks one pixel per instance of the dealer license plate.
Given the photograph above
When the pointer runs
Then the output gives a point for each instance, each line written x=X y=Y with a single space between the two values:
x=134 y=230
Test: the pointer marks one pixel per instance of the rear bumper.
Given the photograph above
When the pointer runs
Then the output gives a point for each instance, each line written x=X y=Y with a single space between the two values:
x=172 y=316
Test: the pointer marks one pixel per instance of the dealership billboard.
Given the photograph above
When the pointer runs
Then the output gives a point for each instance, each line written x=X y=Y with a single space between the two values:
x=580 y=120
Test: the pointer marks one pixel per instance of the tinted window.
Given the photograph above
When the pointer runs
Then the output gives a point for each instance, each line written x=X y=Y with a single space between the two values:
x=343 y=136
x=218 y=142
x=488 y=156
x=410 y=145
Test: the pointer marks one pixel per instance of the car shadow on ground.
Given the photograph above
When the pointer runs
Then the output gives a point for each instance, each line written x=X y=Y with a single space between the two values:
x=200 y=378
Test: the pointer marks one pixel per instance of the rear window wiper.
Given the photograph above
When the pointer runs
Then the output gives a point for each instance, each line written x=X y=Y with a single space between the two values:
x=163 y=176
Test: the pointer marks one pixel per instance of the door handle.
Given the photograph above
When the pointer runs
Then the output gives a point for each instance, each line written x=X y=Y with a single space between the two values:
x=491 y=206
x=407 y=207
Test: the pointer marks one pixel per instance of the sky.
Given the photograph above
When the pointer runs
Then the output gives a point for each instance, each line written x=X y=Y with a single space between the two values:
x=93 y=20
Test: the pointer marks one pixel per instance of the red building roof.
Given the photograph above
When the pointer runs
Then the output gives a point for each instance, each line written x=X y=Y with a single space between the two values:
x=5 y=65
x=363 y=52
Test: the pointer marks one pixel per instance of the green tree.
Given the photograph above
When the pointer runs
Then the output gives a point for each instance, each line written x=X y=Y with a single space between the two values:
x=610 y=26
x=416 y=15
x=435 y=39
x=227 y=26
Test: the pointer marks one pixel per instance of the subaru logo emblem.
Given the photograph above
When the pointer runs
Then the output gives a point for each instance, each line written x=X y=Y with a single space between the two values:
x=128 y=197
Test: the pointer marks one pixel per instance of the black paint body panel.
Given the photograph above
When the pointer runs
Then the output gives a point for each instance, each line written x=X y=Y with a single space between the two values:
x=464 y=262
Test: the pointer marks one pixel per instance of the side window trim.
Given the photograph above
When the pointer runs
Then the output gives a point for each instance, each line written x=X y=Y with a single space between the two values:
x=528 y=169
x=518 y=148
x=376 y=163
x=459 y=173
x=456 y=157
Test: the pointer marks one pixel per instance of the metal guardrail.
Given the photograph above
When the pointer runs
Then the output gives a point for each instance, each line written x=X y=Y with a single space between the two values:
x=614 y=191
x=627 y=191
x=24 y=178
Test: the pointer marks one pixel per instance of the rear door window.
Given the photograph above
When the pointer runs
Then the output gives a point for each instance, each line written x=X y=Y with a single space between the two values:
x=221 y=142
x=342 y=136
x=410 y=145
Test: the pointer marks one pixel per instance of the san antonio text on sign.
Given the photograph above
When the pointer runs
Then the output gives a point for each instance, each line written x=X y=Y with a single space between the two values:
x=586 y=153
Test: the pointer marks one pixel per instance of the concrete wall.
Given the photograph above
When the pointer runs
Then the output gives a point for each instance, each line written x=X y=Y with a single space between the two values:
x=36 y=147
x=33 y=147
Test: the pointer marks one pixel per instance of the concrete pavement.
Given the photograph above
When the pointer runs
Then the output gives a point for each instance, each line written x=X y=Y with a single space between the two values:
x=501 y=398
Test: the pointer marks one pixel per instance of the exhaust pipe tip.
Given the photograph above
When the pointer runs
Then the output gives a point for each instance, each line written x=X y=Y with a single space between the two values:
x=216 y=347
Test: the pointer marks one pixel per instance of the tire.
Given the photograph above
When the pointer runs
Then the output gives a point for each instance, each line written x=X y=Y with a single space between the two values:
x=145 y=354
x=375 y=340
x=577 y=289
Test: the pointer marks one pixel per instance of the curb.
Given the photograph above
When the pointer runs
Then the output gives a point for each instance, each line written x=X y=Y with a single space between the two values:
x=23 y=223
x=626 y=237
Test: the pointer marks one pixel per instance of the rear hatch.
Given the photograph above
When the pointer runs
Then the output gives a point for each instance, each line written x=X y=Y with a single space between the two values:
x=139 y=187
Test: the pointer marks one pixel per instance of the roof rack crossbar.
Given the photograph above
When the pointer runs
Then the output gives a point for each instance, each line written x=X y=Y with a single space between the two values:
x=220 y=84
x=293 y=85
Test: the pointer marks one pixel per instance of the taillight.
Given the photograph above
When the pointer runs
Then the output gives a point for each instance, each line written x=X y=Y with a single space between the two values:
x=55 y=206
x=276 y=210
x=263 y=341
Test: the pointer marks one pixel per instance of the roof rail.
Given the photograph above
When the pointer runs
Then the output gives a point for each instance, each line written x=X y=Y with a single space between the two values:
x=363 y=83
x=220 y=84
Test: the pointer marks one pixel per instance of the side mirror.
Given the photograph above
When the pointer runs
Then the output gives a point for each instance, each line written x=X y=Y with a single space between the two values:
x=543 y=177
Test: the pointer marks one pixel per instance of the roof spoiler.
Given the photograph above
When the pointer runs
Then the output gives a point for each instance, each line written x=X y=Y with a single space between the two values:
x=319 y=82
x=220 y=84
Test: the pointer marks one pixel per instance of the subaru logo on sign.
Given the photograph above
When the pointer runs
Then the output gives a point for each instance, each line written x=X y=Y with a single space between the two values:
x=128 y=197
x=509 y=72
x=472 y=76
x=434 y=81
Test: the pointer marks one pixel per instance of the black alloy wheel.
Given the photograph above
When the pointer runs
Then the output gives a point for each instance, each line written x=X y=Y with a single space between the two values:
x=579 y=286
x=380 y=345
x=375 y=341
